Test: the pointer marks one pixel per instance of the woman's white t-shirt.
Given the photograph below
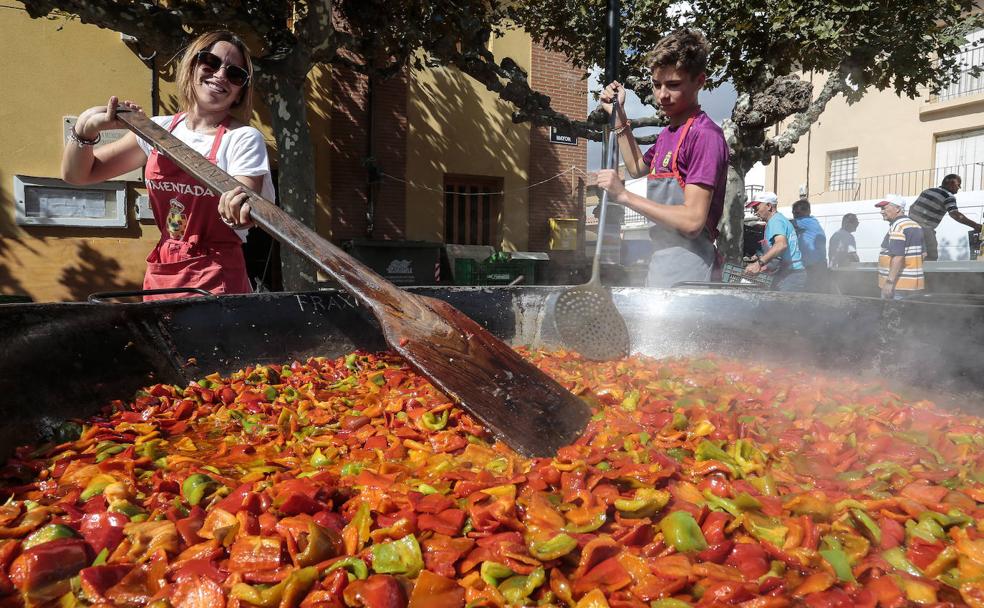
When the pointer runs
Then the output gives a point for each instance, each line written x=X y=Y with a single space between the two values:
x=241 y=152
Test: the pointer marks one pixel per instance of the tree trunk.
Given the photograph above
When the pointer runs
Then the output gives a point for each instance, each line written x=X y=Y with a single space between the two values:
x=730 y=240
x=283 y=92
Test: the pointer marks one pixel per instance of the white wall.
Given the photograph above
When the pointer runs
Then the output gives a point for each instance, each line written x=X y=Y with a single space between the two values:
x=952 y=235
x=756 y=176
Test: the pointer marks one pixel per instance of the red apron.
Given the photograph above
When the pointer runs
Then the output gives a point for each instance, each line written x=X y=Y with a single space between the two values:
x=197 y=249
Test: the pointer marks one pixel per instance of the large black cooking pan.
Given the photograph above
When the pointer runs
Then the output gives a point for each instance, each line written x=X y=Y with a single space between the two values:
x=63 y=361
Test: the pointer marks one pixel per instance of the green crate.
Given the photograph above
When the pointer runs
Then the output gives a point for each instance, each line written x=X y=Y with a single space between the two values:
x=473 y=272
x=733 y=273
x=15 y=299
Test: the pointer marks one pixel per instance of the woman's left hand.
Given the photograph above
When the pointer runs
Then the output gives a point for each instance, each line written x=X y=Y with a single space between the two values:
x=234 y=210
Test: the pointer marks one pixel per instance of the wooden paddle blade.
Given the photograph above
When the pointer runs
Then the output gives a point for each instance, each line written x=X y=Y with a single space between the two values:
x=520 y=404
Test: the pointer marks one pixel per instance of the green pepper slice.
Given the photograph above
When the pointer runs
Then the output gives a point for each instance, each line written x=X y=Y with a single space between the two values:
x=355 y=566
x=680 y=530
x=516 y=589
x=195 y=487
x=322 y=544
x=839 y=562
x=47 y=534
x=897 y=559
x=493 y=572
x=869 y=526
x=434 y=423
x=556 y=547
x=398 y=557
x=287 y=592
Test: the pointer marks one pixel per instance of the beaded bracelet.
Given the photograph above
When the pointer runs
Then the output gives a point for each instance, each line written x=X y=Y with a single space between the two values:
x=82 y=142
x=618 y=130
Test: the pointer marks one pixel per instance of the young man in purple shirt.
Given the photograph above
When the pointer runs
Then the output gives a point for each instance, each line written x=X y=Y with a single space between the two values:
x=687 y=166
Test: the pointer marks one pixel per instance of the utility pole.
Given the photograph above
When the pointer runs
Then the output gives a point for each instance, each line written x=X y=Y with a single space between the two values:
x=612 y=54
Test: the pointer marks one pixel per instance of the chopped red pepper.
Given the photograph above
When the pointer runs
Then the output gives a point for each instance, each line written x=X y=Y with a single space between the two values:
x=320 y=478
x=96 y=580
x=103 y=530
x=38 y=571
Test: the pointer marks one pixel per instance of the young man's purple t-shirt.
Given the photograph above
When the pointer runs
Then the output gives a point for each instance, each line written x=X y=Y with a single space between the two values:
x=703 y=159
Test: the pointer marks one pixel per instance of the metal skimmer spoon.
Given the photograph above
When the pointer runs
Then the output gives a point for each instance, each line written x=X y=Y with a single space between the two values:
x=585 y=316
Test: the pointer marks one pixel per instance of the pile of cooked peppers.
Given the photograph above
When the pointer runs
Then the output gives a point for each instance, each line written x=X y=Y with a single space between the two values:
x=355 y=483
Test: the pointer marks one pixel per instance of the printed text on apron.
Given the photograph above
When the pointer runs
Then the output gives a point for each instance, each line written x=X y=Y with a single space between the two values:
x=197 y=249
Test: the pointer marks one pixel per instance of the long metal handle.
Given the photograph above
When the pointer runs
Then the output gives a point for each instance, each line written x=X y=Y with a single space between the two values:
x=962 y=299
x=612 y=157
x=101 y=296
x=709 y=285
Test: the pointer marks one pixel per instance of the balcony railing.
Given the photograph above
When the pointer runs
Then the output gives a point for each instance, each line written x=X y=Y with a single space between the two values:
x=634 y=219
x=906 y=183
x=971 y=80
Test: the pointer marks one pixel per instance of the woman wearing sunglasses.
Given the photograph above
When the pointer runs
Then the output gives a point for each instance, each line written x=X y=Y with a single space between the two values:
x=201 y=233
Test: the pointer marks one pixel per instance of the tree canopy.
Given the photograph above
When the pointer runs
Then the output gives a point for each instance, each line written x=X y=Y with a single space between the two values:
x=763 y=47
x=760 y=46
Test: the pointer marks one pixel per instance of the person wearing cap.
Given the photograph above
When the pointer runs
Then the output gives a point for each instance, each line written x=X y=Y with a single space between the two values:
x=780 y=237
x=900 y=262
x=929 y=208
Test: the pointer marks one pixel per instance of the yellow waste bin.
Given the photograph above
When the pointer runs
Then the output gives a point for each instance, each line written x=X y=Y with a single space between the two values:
x=563 y=234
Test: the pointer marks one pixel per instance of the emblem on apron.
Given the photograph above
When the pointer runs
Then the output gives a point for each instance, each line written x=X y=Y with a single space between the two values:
x=177 y=220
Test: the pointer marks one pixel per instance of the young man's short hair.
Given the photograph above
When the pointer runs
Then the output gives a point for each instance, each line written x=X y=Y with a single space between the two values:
x=849 y=218
x=684 y=49
x=801 y=208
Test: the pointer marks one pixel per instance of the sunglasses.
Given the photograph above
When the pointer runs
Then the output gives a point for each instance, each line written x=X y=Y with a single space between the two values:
x=234 y=74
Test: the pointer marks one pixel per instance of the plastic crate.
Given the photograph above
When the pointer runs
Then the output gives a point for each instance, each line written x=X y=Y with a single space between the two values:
x=733 y=273
x=473 y=272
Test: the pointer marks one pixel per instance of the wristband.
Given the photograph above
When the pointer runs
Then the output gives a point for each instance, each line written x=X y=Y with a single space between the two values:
x=618 y=130
x=81 y=141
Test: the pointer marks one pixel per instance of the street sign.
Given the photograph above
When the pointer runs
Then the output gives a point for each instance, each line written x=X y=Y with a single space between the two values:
x=561 y=136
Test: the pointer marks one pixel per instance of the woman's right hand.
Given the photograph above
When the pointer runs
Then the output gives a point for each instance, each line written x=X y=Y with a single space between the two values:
x=614 y=90
x=97 y=119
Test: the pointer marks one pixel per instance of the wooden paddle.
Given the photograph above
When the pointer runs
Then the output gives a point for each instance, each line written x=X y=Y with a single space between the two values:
x=521 y=405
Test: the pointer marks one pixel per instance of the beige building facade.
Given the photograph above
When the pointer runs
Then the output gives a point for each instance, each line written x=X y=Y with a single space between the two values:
x=887 y=144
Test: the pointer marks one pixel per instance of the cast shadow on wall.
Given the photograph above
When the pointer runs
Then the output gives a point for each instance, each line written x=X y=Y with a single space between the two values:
x=93 y=272
x=10 y=241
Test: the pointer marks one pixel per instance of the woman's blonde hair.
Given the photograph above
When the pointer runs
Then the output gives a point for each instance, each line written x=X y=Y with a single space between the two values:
x=243 y=108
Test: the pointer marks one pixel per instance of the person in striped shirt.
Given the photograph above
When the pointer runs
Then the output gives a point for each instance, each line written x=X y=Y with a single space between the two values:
x=930 y=207
x=900 y=262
